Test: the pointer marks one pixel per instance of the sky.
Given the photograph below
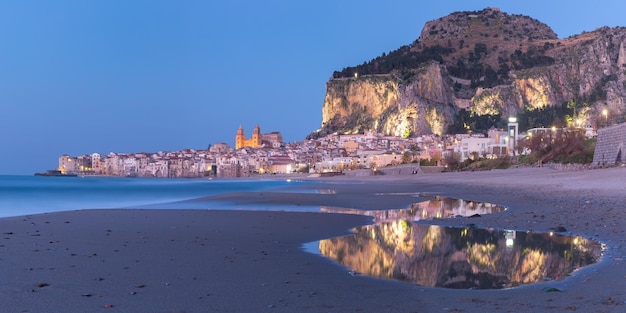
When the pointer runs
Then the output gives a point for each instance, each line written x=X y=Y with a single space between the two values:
x=78 y=77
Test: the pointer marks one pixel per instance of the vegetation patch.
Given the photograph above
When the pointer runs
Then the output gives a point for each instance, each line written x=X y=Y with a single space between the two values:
x=558 y=146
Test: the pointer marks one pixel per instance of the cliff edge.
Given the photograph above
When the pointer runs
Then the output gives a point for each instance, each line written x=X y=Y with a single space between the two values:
x=483 y=63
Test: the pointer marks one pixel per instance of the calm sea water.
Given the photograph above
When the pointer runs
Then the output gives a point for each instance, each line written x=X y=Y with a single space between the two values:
x=21 y=195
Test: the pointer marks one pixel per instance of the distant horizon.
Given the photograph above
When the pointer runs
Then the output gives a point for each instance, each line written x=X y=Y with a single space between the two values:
x=126 y=77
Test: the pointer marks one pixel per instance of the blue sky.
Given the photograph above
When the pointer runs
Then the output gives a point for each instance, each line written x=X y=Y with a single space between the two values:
x=79 y=77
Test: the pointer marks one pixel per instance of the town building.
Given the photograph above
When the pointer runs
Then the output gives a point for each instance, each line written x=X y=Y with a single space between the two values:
x=220 y=147
x=273 y=139
x=255 y=142
x=264 y=154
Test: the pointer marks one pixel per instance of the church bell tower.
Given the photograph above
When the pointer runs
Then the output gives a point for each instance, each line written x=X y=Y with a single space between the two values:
x=240 y=138
x=256 y=137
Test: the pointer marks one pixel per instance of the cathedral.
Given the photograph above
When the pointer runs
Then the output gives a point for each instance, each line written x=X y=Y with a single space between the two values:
x=255 y=142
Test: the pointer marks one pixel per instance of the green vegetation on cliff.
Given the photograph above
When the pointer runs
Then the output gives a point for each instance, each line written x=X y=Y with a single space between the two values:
x=401 y=59
x=481 y=46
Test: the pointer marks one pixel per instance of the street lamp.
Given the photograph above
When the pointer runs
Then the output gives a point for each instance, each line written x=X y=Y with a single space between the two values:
x=605 y=113
x=512 y=129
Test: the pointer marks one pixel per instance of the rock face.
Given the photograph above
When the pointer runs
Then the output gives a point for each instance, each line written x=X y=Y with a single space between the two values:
x=389 y=105
x=485 y=62
x=588 y=66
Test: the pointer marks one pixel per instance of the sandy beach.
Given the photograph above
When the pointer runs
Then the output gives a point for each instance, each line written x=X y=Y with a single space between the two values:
x=252 y=261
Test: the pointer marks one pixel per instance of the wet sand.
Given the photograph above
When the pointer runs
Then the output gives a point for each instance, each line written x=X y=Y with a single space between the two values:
x=252 y=261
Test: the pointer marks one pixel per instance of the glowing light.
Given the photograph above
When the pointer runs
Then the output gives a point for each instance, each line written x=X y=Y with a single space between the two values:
x=509 y=235
x=512 y=119
x=579 y=122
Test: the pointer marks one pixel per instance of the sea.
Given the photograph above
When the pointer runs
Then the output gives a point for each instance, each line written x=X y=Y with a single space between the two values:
x=25 y=195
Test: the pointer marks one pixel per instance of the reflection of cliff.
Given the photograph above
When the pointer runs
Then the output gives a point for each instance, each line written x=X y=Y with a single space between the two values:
x=459 y=258
x=438 y=207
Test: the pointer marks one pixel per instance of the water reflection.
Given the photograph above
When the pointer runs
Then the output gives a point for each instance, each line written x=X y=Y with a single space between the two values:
x=437 y=207
x=464 y=258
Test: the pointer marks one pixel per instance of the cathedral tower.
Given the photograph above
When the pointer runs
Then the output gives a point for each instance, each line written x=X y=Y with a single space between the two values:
x=255 y=142
x=240 y=138
x=256 y=137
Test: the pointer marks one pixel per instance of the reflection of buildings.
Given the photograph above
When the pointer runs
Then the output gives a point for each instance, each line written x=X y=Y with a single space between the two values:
x=459 y=257
x=509 y=236
x=439 y=207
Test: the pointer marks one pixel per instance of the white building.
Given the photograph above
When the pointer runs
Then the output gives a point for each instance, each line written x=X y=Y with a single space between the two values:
x=481 y=146
x=68 y=165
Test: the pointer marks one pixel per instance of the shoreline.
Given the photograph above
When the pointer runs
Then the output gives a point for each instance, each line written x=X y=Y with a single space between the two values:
x=253 y=261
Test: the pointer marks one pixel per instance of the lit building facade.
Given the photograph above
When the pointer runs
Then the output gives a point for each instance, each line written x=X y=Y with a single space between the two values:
x=255 y=142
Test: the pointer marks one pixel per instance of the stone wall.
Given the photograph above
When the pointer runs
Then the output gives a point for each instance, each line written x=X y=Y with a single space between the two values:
x=610 y=146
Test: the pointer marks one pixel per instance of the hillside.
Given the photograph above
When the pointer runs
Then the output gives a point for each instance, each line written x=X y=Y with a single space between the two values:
x=479 y=68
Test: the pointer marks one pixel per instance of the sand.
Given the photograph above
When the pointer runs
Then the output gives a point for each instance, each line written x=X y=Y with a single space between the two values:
x=252 y=261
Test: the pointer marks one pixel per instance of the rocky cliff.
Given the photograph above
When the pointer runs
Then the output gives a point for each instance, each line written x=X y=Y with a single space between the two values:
x=487 y=63
x=389 y=104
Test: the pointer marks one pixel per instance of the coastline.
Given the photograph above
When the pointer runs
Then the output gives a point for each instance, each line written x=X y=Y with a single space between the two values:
x=252 y=261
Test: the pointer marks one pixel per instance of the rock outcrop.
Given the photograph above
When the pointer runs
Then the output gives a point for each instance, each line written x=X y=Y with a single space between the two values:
x=485 y=62
x=390 y=105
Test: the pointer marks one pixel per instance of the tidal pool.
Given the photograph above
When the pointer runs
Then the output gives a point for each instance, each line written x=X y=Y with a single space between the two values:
x=449 y=257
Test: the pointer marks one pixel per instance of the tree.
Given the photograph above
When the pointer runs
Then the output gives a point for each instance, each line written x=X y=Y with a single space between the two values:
x=558 y=145
x=407 y=157
x=480 y=48
x=407 y=133
x=452 y=161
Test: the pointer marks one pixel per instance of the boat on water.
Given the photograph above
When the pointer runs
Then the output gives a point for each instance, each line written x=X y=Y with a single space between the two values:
x=55 y=173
